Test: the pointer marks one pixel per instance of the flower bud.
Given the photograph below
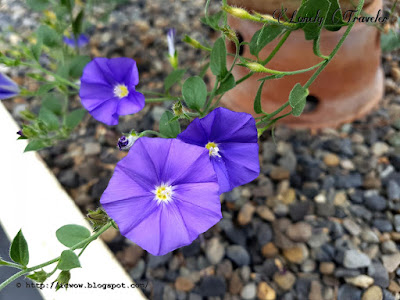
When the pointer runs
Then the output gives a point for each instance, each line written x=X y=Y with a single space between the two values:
x=177 y=108
x=230 y=34
x=126 y=142
x=237 y=12
x=195 y=44
x=256 y=67
x=97 y=217
x=63 y=279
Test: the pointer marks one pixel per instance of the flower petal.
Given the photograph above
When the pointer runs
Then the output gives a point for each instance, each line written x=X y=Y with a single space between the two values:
x=131 y=104
x=105 y=112
x=124 y=70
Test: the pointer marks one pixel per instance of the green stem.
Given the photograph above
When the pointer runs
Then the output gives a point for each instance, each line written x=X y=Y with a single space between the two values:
x=161 y=99
x=277 y=48
x=11 y=264
x=50 y=262
x=146 y=132
x=275 y=72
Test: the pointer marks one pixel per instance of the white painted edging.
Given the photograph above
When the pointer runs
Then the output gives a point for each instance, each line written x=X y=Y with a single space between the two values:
x=32 y=199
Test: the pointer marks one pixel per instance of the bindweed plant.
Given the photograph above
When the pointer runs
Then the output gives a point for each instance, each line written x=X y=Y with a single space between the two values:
x=165 y=192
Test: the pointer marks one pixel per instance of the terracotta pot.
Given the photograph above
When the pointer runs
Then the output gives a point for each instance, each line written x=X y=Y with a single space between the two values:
x=349 y=87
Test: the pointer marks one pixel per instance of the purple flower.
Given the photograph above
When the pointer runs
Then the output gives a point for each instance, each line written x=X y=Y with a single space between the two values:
x=81 y=41
x=8 y=88
x=108 y=89
x=231 y=139
x=171 y=41
x=163 y=194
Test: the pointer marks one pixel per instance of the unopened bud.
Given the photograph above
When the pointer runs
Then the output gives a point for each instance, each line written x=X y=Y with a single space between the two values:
x=237 y=12
x=177 y=108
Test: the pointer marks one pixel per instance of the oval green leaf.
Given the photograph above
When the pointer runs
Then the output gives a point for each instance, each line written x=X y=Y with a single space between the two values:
x=70 y=235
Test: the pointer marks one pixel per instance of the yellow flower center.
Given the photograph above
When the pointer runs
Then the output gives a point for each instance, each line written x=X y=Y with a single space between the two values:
x=163 y=193
x=121 y=91
x=213 y=149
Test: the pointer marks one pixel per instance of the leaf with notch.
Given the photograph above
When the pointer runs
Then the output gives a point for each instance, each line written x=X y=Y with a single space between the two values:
x=70 y=235
x=35 y=145
x=228 y=84
x=74 y=118
x=78 y=22
x=310 y=9
x=257 y=100
x=194 y=92
x=68 y=261
x=48 y=36
x=49 y=118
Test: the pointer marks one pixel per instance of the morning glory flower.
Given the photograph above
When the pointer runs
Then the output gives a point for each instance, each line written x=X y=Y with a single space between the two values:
x=163 y=194
x=108 y=89
x=81 y=41
x=232 y=143
x=172 y=54
x=8 y=88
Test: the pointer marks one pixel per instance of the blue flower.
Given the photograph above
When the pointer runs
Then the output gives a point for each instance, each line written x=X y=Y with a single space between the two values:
x=172 y=54
x=81 y=41
x=8 y=88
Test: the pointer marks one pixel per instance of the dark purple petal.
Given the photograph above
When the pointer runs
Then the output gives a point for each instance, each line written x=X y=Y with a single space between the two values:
x=235 y=135
x=162 y=226
x=105 y=112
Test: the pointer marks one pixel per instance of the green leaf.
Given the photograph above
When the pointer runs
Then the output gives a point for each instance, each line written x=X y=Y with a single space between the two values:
x=390 y=41
x=213 y=20
x=77 y=64
x=39 y=276
x=68 y=260
x=218 y=58
x=74 y=118
x=19 y=250
x=69 y=4
x=49 y=118
x=334 y=20
x=53 y=103
x=298 y=99
x=3 y=262
x=263 y=37
x=194 y=91
x=36 y=50
x=45 y=88
x=70 y=235
x=78 y=22
x=37 y=5
x=35 y=145
x=312 y=10
x=228 y=84
x=257 y=100
x=168 y=127
x=48 y=36
x=174 y=77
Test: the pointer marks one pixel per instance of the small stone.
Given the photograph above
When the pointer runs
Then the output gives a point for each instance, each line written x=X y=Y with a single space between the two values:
x=296 y=254
x=299 y=232
x=308 y=266
x=397 y=222
x=389 y=247
x=382 y=225
x=246 y=214
x=265 y=213
x=347 y=292
x=238 y=255
x=279 y=173
x=235 y=284
x=395 y=140
x=340 y=199
x=183 y=284
x=351 y=227
x=331 y=160
x=375 y=203
x=393 y=190
x=373 y=293
x=380 y=148
x=92 y=148
x=378 y=272
x=369 y=236
x=212 y=286
x=354 y=259
x=327 y=268
x=315 y=291
x=391 y=262
x=288 y=197
x=269 y=250
x=284 y=280
x=347 y=164
x=249 y=291
x=394 y=287
x=362 y=281
x=265 y=292
x=138 y=271
x=215 y=251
